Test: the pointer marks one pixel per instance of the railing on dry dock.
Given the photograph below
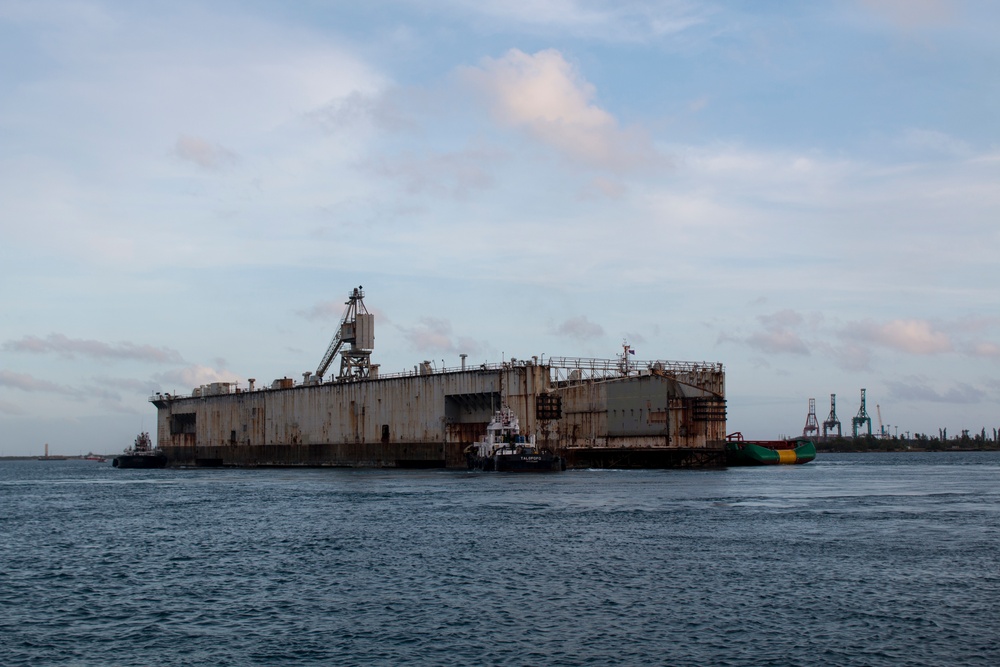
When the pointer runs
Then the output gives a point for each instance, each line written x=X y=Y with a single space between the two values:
x=582 y=368
x=561 y=369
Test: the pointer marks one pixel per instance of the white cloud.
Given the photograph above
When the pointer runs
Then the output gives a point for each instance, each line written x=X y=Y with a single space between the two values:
x=98 y=142
x=911 y=336
x=452 y=174
x=778 y=341
x=580 y=328
x=850 y=344
x=545 y=96
x=923 y=390
x=8 y=408
x=69 y=347
x=781 y=319
x=183 y=380
x=934 y=141
x=203 y=153
x=913 y=14
x=609 y=21
x=851 y=356
x=326 y=310
x=985 y=349
x=29 y=383
x=389 y=110
x=434 y=335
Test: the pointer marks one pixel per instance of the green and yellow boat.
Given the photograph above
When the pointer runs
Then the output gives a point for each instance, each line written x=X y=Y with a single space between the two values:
x=740 y=452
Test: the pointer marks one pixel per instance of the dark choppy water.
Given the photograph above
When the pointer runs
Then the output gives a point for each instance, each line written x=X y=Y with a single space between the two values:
x=850 y=560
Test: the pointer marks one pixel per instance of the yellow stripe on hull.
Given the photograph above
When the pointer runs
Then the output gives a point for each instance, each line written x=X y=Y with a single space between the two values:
x=787 y=456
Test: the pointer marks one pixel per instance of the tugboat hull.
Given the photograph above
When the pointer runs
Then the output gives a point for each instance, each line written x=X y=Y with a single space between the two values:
x=139 y=461
x=543 y=462
x=741 y=452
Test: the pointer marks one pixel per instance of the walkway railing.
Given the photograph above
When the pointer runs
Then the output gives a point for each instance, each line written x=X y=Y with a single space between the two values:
x=561 y=369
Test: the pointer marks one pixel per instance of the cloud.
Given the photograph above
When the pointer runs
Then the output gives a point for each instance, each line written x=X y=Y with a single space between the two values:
x=543 y=95
x=324 y=310
x=29 y=383
x=635 y=338
x=11 y=409
x=184 y=379
x=781 y=319
x=777 y=337
x=851 y=346
x=383 y=110
x=911 y=336
x=203 y=153
x=935 y=142
x=605 y=187
x=913 y=14
x=851 y=356
x=454 y=174
x=68 y=347
x=435 y=335
x=130 y=385
x=615 y=21
x=88 y=16
x=920 y=389
x=985 y=349
x=580 y=328
x=777 y=341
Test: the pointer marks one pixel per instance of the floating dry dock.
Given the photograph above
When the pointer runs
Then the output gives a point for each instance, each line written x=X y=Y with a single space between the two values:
x=594 y=412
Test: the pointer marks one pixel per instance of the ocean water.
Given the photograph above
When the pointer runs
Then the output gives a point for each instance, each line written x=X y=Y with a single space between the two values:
x=866 y=559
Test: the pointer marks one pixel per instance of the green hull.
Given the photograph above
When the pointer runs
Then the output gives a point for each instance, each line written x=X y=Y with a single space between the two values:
x=753 y=454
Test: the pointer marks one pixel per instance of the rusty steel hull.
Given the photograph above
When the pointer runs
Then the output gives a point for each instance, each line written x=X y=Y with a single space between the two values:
x=426 y=420
x=411 y=455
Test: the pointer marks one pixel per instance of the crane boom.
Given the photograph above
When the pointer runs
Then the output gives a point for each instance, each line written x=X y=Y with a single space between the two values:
x=331 y=351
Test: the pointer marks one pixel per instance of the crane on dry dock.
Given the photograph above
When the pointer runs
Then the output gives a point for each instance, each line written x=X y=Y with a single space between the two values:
x=357 y=331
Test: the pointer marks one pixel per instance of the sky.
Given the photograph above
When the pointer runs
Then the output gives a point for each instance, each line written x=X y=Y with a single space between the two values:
x=808 y=193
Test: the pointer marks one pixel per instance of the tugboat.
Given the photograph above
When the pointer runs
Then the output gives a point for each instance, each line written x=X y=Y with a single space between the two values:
x=504 y=449
x=141 y=455
x=740 y=452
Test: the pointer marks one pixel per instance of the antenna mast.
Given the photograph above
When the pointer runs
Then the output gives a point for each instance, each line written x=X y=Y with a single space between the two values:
x=357 y=330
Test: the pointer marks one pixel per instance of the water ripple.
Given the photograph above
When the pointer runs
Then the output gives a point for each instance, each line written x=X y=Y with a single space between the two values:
x=847 y=561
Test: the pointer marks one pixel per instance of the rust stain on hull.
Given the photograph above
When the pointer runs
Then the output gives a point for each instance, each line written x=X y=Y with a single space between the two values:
x=649 y=419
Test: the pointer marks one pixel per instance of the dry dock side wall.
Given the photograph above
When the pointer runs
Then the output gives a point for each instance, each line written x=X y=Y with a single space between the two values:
x=427 y=420
x=645 y=411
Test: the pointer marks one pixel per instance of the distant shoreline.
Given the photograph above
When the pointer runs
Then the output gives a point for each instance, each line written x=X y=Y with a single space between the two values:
x=55 y=457
x=910 y=450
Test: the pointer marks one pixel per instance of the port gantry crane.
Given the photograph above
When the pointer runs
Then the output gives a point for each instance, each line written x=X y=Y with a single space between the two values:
x=357 y=330
x=832 y=420
x=812 y=424
x=883 y=431
x=861 y=418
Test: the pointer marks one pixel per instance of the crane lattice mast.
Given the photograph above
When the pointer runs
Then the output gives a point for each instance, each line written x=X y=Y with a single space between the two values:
x=861 y=418
x=357 y=330
x=832 y=420
x=812 y=424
